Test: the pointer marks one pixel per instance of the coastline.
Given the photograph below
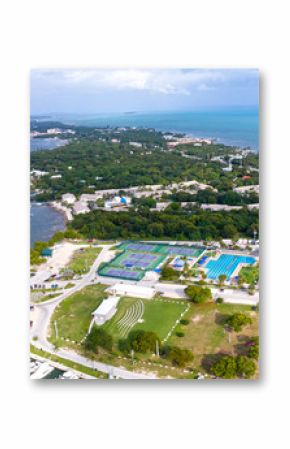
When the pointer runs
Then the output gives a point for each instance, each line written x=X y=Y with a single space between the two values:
x=66 y=212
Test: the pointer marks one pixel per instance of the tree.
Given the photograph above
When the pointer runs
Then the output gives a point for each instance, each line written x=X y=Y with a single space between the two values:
x=245 y=367
x=222 y=279
x=237 y=321
x=177 y=356
x=98 y=337
x=168 y=273
x=225 y=367
x=143 y=341
x=198 y=294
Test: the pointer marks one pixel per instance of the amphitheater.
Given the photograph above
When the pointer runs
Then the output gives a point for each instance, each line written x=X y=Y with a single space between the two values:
x=132 y=316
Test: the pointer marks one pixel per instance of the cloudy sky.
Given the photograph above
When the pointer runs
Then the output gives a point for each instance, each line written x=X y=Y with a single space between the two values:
x=122 y=90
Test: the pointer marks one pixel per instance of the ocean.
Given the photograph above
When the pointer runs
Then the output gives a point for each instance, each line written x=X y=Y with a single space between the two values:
x=46 y=143
x=232 y=126
x=44 y=222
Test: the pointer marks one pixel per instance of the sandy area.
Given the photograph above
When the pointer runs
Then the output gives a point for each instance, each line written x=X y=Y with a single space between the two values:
x=61 y=256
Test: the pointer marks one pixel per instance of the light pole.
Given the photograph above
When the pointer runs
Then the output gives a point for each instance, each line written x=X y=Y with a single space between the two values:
x=157 y=348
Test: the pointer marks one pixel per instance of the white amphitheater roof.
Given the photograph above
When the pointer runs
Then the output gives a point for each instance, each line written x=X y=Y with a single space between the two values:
x=107 y=305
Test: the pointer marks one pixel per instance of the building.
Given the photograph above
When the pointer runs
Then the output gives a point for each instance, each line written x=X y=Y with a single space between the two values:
x=106 y=310
x=118 y=201
x=56 y=177
x=46 y=252
x=136 y=144
x=80 y=208
x=247 y=189
x=132 y=290
x=68 y=198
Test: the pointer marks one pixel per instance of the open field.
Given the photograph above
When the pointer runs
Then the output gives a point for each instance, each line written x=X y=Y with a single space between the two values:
x=205 y=334
x=82 y=260
x=74 y=314
x=159 y=316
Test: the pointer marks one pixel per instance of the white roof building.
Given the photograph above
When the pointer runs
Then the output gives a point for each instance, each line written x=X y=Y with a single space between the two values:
x=80 y=208
x=247 y=189
x=106 y=310
x=135 y=291
x=68 y=198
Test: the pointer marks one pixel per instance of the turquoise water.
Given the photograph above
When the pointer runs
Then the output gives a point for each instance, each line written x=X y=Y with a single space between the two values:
x=226 y=264
x=233 y=126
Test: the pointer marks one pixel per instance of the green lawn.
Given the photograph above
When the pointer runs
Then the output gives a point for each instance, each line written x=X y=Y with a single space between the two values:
x=74 y=314
x=82 y=261
x=159 y=316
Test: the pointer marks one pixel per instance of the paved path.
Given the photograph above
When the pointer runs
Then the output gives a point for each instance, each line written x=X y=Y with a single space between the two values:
x=43 y=314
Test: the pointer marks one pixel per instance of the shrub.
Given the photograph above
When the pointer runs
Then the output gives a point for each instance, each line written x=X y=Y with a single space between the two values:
x=178 y=357
x=184 y=322
x=219 y=300
x=180 y=334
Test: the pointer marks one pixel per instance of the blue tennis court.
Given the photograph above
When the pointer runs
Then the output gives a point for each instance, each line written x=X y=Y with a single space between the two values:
x=226 y=264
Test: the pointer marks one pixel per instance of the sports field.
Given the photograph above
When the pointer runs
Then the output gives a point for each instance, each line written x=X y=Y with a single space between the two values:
x=157 y=315
x=137 y=258
x=131 y=265
x=163 y=248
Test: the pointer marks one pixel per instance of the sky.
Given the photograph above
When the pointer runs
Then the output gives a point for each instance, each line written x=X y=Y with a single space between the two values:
x=89 y=91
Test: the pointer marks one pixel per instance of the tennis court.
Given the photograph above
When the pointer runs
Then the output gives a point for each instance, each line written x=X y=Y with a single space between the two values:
x=164 y=248
x=131 y=265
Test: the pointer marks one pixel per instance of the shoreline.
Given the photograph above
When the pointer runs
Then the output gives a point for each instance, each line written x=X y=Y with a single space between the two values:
x=61 y=209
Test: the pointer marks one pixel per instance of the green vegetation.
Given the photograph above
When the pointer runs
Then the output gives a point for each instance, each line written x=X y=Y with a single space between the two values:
x=187 y=224
x=237 y=321
x=83 y=259
x=35 y=253
x=169 y=310
x=74 y=314
x=169 y=274
x=106 y=165
x=178 y=357
x=205 y=333
x=198 y=294
x=68 y=363
x=249 y=275
x=229 y=367
x=143 y=341
x=98 y=338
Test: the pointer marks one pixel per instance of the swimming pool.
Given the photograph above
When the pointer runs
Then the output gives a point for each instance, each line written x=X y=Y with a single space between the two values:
x=226 y=264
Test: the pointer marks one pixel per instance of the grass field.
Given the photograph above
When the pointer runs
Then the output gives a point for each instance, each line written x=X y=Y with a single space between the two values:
x=82 y=261
x=159 y=316
x=74 y=314
x=205 y=334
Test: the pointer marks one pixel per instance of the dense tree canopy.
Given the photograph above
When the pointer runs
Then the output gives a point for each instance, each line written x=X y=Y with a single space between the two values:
x=193 y=225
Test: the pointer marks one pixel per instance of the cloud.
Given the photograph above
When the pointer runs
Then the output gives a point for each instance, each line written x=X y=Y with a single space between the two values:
x=164 y=81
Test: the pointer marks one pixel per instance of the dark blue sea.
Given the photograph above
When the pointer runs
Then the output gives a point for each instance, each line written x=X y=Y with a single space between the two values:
x=232 y=126
x=44 y=222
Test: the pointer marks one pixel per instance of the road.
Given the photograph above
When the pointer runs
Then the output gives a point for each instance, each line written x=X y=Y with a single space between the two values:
x=44 y=311
x=42 y=318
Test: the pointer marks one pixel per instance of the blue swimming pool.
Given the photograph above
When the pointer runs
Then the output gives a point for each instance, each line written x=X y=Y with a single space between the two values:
x=226 y=264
